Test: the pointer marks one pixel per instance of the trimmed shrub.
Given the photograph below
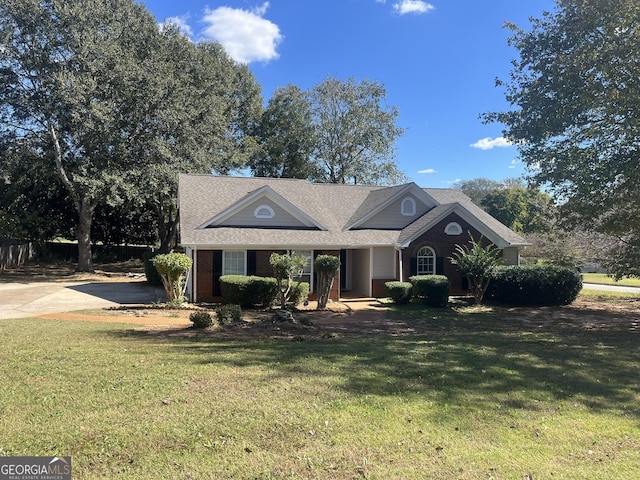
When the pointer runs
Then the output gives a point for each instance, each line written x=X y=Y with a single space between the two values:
x=399 y=292
x=201 y=319
x=173 y=269
x=299 y=292
x=432 y=289
x=542 y=285
x=150 y=270
x=248 y=291
x=229 y=314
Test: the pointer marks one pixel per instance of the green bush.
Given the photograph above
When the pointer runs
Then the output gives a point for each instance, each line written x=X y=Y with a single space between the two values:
x=542 y=285
x=433 y=290
x=201 y=319
x=229 y=314
x=399 y=292
x=299 y=292
x=248 y=291
x=150 y=270
x=173 y=269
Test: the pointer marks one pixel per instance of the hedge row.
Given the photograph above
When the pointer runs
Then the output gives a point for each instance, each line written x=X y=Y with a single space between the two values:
x=433 y=290
x=540 y=285
x=250 y=291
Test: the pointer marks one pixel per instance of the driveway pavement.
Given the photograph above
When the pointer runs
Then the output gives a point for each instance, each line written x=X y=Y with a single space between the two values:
x=18 y=300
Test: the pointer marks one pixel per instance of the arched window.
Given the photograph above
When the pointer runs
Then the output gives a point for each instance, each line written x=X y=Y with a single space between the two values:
x=264 y=211
x=426 y=261
x=453 y=229
x=408 y=207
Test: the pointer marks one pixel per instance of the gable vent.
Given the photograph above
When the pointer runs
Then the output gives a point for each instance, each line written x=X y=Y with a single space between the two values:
x=264 y=211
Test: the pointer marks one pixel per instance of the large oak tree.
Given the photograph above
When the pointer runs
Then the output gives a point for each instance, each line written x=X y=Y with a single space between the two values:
x=119 y=106
x=575 y=93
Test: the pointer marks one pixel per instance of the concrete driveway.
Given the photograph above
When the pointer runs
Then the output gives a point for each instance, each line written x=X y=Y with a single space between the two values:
x=18 y=300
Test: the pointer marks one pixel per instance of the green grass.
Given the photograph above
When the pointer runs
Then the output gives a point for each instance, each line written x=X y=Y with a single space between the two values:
x=477 y=398
x=604 y=279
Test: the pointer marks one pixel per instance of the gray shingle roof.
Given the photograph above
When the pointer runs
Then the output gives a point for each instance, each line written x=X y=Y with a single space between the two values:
x=334 y=206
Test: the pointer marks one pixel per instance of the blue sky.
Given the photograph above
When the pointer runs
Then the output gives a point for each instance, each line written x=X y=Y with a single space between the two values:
x=438 y=61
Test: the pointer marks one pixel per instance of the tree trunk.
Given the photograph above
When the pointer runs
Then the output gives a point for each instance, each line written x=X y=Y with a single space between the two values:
x=83 y=234
x=168 y=220
x=167 y=233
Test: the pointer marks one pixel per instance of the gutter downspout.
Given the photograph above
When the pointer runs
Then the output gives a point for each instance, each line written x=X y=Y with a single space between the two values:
x=194 y=279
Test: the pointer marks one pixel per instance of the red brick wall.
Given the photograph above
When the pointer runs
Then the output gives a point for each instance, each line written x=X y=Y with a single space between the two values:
x=204 y=282
x=444 y=246
x=378 y=288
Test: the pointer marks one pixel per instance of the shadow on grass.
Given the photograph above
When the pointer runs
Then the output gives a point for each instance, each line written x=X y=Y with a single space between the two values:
x=461 y=359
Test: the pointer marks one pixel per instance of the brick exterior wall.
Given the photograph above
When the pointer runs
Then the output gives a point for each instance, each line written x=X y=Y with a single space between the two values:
x=204 y=282
x=378 y=288
x=444 y=246
x=205 y=271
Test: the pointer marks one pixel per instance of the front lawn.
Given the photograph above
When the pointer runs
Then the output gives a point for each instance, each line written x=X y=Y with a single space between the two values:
x=475 y=395
x=604 y=279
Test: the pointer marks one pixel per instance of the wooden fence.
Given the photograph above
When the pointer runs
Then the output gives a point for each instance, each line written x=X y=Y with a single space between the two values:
x=101 y=253
x=14 y=253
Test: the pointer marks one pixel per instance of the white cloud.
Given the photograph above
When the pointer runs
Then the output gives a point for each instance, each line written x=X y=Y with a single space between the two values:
x=427 y=170
x=245 y=35
x=181 y=23
x=514 y=163
x=412 y=6
x=452 y=182
x=488 y=143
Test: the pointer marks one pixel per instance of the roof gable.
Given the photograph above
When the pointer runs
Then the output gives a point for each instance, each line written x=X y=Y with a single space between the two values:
x=383 y=208
x=244 y=213
x=489 y=227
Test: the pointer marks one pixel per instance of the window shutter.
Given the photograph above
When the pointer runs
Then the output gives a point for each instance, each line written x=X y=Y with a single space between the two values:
x=413 y=266
x=439 y=265
x=217 y=272
x=251 y=262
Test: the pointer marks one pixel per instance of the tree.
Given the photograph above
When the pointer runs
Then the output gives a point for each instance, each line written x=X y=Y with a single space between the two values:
x=174 y=271
x=478 y=188
x=33 y=202
x=192 y=117
x=286 y=137
x=119 y=106
x=355 y=132
x=477 y=263
x=286 y=268
x=575 y=93
x=521 y=209
x=326 y=267
x=67 y=75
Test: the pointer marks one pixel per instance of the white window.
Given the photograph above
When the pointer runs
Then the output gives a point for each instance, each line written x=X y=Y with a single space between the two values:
x=426 y=261
x=453 y=229
x=408 y=207
x=234 y=262
x=264 y=211
x=307 y=273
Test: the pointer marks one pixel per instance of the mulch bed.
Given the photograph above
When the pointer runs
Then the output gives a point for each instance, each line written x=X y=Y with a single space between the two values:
x=362 y=320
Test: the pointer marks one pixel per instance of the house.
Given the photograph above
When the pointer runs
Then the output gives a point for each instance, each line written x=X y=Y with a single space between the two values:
x=231 y=225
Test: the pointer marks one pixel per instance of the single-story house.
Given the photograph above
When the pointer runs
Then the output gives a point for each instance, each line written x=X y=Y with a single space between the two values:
x=231 y=225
